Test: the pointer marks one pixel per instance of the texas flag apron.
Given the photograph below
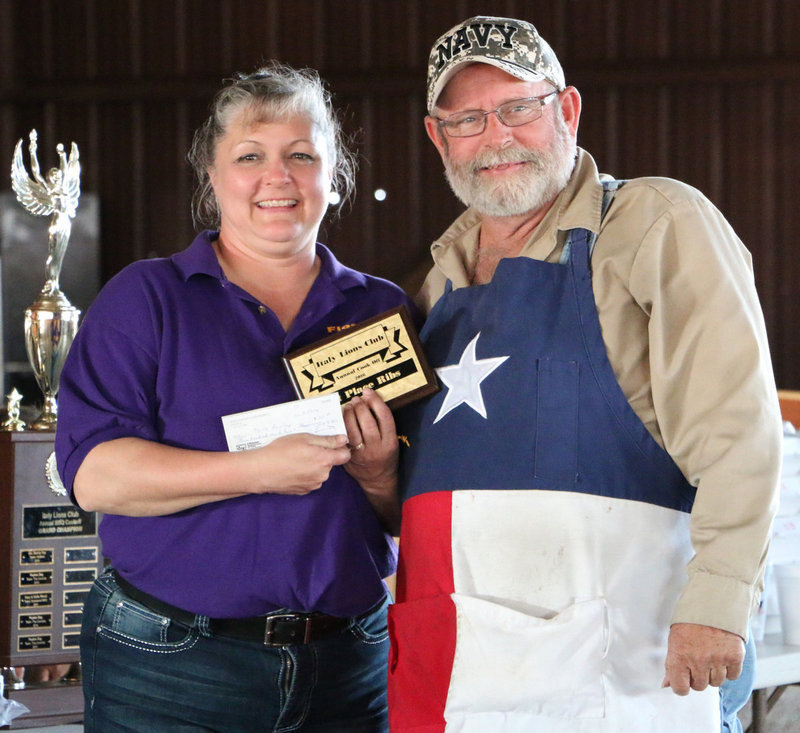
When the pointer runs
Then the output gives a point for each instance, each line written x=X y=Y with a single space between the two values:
x=545 y=533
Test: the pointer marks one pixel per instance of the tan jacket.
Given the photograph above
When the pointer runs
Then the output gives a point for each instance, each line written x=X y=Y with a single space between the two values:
x=685 y=336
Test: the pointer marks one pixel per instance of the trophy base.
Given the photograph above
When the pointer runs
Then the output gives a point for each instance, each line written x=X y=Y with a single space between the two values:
x=46 y=421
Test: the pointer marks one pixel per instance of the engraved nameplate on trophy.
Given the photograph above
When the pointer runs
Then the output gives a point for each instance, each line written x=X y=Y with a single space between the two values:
x=49 y=556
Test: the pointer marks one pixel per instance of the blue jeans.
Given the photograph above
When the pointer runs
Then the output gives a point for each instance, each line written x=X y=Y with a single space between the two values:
x=733 y=694
x=144 y=672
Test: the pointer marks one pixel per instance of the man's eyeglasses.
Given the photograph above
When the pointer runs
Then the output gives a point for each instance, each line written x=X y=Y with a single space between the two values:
x=512 y=114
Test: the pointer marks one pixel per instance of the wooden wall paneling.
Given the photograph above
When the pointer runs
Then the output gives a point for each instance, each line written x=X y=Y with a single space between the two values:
x=133 y=179
x=560 y=32
x=301 y=39
x=763 y=225
x=91 y=44
x=749 y=190
x=345 y=228
x=346 y=39
x=641 y=129
x=130 y=80
x=8 y=136
x=432 y=21
x=470 y=8
x=706 y=104
x=254 y=33
x=184 y=54
x=7 y=48
x=7 y=72
x=46 y=126
x=697 y=29
x=193 y=112
x=69 y=121
x=205 y=37
x=343 y=235
x=161 y=196
x=581 y=33
x=33 y=22
x=656 y=142
x=439 y=207
x=39 y=117
x=787 y=21
x=395 y=31
x=186 y=123
x=395 y=175
x=120 y=186
x=436 y=18
x=748 y=112
x=358 y=245
x=29 y=116
x=416 y=247
x=70 y=45
x=611 y=143
x=596 y=124
x=89 y=146
x=693 y=150
x=752 y=153
x=785 y=341
x=754 y=25
x=662 y=137
x=156 y=45
x=644 y=30
x=119 y=31
x=450 y=13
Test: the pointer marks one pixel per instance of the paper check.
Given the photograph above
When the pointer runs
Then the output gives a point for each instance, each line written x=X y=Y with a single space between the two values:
x=256 y=428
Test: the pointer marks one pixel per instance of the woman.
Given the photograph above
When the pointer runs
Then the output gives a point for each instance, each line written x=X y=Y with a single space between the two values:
x=246 y=592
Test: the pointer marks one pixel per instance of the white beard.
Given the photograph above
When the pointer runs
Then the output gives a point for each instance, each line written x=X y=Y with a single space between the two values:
x=535 y=185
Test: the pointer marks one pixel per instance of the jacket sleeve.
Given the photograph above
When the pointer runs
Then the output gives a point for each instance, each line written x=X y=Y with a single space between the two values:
x=716 y=403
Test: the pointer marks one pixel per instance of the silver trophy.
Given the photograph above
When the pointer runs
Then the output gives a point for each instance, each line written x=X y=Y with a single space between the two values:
x=51 y=321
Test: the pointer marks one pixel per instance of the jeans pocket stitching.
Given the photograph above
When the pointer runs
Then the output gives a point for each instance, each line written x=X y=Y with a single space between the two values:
x=145 y=646
x=365 y=636
x=131 y=609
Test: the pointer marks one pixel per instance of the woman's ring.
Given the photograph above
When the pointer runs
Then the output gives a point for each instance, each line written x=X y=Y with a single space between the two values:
x=360 y=446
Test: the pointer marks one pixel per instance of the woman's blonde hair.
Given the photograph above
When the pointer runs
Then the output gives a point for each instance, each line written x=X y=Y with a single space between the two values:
x=275 y=92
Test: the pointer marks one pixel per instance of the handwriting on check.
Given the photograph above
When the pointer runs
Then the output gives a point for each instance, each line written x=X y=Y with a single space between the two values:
x=257 y=428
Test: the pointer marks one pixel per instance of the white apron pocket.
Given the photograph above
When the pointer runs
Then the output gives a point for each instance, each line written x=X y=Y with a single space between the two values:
x=509 y=661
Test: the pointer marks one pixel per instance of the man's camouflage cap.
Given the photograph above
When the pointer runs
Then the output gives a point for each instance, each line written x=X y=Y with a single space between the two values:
x=514 y=46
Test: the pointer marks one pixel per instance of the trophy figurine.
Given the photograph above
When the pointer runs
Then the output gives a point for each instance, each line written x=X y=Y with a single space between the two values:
x=51 y=321
x=13 y=422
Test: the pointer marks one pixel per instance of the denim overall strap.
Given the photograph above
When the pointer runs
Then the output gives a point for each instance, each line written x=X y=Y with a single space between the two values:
x=610 y=188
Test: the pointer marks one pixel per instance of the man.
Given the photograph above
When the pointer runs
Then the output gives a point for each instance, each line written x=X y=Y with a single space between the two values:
x=588 y=499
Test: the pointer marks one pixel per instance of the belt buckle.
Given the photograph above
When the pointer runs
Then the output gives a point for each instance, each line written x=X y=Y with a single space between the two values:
x=269 y=627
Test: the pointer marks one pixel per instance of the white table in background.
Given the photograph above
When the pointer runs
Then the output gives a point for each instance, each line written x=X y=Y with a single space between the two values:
x=778 y=666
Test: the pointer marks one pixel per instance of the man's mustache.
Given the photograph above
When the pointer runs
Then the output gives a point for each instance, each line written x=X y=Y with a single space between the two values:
x=502 y=156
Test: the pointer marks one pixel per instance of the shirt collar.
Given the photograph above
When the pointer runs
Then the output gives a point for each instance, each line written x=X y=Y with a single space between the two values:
x=577 y=206
x=341 y=276
x=199 y=258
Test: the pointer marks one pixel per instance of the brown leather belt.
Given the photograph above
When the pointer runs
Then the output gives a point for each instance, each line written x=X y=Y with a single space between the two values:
x=274 y=629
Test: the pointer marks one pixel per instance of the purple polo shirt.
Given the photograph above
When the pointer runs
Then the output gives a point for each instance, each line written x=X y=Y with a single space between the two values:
x=166 y=349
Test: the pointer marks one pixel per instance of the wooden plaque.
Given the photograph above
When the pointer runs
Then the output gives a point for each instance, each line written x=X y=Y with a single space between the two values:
x=382 y=353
